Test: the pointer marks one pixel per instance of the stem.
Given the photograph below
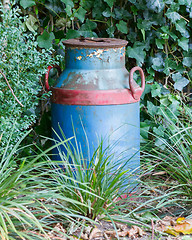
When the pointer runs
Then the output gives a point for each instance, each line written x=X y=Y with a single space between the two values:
x=11 y=89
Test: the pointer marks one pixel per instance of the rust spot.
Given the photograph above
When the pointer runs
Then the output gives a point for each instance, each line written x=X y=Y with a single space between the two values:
x=95 y=42
x=79 y=58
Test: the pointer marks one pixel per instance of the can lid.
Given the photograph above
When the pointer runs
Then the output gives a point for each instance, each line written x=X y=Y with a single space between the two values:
x=95 y=42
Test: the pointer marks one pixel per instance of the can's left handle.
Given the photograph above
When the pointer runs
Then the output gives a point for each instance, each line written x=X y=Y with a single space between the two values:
x=47 y=75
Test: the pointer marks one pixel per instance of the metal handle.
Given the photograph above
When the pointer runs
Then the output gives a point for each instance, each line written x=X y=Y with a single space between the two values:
x=47 y=76
x=134 y=87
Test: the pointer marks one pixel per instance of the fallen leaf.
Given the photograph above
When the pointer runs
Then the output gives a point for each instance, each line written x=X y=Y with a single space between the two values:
x=96 y=232
x=58 y=232
x=84 y=236
x=184 y=226
x=119 y=233
x=136 y=231
x=175 y=226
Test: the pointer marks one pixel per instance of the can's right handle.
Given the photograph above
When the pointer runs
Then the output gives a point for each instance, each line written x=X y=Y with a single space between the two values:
x=136 y=90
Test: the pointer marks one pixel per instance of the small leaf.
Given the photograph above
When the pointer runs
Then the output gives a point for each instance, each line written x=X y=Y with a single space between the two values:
x=110 y=2
x=27 y=3
x=88 y=26
x=68 y=2
x=185 y=2
x=144 y=130
x=107 y=13
x=181 y=27
x=152 y=109
x=137 y=53
x=187 y=61
x=158 y=63
x=159 y=43
x=111 y=31
x=31 y=23
x=45 y=40
x=144 y=24
x=72 y=34
x=155 y=5
x=80 y=14
x=180 y=81
x=88 y=34
x=159 y=131
x=184 y=43
x=122 y=26
x=156 y=90
x=173 y=16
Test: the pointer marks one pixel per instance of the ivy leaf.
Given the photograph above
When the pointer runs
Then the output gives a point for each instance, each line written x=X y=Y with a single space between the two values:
x=156 y=90
x=137 y=53
x=152 y=109
x=31 y=23
x=27 y=3
x=184 y=43
x=173 y=16
x=45 y=40
x=80 y=14
x=88 y=26
x=158 y=63
x=159 y=131
x=169 y=64
x=110 y=2
x=111 y=31
x=107 y=13
x=88 y=34
x=180 y=81
x=155 y=5
x=69 y=5
x=68 y=2
x=122 y=26
x=159 y=43
x=144 y=24
x=185 y=2
x=144 y=129
x=187 y=61
x=72 y=34
x=181 y=27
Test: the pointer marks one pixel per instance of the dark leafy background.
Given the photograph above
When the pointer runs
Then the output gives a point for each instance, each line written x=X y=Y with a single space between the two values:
x=158 y=34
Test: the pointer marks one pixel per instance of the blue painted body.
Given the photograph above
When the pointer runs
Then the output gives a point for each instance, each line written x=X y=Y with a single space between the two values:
x=118 y=125
x=94 y=69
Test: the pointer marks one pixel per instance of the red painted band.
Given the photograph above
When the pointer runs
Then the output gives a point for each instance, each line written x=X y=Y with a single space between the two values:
x=96 y=97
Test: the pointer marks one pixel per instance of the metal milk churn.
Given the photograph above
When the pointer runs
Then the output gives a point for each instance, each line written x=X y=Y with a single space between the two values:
x=96 y=97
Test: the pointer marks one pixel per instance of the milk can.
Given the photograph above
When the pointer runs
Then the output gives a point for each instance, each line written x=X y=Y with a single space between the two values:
x=96 y=98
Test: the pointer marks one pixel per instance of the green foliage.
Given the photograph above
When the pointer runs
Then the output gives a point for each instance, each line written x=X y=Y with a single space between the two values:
x=97 y=182
x=21 y=67
x=158 y=34
x=17 y=196
x=170 y=155
x=30 y=203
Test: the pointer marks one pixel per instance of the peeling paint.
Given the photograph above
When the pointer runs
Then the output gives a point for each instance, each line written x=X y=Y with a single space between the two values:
x=97 y=53
x=79 y=58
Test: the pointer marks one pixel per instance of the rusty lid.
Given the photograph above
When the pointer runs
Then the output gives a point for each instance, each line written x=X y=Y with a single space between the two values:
x=95 y=42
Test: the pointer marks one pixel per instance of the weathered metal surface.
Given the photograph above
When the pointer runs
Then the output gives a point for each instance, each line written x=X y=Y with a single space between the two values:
x=97 y=98
x=117 y=125
x=95 y=42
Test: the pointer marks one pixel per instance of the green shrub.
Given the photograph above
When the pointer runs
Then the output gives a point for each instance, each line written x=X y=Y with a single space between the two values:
x=97 y=181
x=21 y=67
x=170 y=163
